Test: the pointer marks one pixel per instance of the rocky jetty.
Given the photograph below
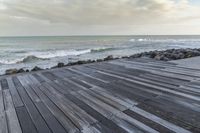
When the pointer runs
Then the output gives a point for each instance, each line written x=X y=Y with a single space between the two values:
x=171 y=54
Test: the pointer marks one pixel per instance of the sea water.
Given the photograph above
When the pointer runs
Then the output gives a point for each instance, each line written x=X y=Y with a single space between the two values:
x=45 y=52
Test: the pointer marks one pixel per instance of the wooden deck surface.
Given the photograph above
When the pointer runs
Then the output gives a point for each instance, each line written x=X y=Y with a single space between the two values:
x=120 y=96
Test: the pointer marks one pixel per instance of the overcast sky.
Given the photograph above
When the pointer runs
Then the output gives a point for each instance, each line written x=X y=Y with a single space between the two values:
x=98 y=17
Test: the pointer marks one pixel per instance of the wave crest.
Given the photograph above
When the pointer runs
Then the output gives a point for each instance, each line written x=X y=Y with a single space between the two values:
x=101 y=49
x=30 y=58
x=45 y=55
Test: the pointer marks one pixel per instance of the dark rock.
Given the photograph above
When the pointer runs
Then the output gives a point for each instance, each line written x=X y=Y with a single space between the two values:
x=81 y=62
x=153 y=54
x=27 y=70
x=165 y=59
x=99 y=60
x=36 y=69
x=60 y=64
x=21 y=70
x=11 y=71
x=124 y=57
x=110 y=57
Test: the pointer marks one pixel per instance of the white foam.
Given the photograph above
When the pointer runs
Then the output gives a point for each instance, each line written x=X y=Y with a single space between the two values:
x=57 y=53
x=10 y=61
x=132 y=40
x=45 y=55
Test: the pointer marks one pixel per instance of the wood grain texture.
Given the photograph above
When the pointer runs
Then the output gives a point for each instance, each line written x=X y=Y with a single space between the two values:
x=119 y=96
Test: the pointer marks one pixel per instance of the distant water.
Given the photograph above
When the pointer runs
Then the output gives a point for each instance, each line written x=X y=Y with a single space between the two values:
x=45 y=52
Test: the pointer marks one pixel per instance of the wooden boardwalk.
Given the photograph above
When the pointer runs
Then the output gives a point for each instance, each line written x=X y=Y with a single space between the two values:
x=120 y=96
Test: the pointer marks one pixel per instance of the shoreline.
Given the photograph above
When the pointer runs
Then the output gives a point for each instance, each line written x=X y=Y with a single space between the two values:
x=163 y=55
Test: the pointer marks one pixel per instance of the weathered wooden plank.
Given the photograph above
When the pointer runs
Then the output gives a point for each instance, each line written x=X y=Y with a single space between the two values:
x=4 y=84
x=44 y=77
x=66 y=84
x=26 y=123
x=12 y=120
x=51 y=121
x=115 y=102
x=49 y=75
x=3 y=122
x=107 y=97
x=60 y=116
x=79 y=117
x=185 y=73
x=169 y=80
x=112 y=92
x=40 y=79
x=15 y=95
x=108 y=100
x=149 y=60
x=155 y=81
x=148 y=122
x=30 y=92
x=160 y=121
x=89 y=80
x=109 y=112
x=127 y=122
x=157 y=71
x=95 y=113
x=191 y=88
x=80 y=82
x=172 y=113
x=33 y=112
x=87 y=75
x=156 y=87
x=151 y=65
x=95 y=74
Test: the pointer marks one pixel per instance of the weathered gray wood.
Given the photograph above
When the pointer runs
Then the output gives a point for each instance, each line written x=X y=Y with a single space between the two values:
x=26 y=123
x=109 y=112
x=156 y=87
x=79 y=117
x=3 y=122
x=46 y=114
x=157 y=71
x=12 y=120
x=4 y=84
x=30 y=92
x=15 y=96
x=51 y=121
x=126 y=95
x=34 y=114
x=64 y=120
x=104 y=122
x=156 y=119
x=87 y=75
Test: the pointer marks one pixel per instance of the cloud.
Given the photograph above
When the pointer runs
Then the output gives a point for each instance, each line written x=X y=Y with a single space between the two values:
x=95 y=14
x=100 y=12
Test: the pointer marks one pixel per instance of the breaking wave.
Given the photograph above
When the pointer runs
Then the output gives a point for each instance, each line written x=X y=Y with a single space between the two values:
x=46 y=55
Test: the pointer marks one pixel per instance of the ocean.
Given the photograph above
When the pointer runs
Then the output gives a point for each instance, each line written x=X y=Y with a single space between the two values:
x=45 y=52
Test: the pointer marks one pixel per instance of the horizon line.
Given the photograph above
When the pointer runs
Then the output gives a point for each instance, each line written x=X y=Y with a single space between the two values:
x=102 y=35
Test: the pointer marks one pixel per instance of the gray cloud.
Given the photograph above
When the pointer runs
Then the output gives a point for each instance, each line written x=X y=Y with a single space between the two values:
x=96 y=13
x=89 y=12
